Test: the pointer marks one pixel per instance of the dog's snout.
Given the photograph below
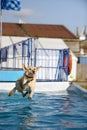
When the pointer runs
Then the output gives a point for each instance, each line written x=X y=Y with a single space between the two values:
x=33 y=71
x=30 y=71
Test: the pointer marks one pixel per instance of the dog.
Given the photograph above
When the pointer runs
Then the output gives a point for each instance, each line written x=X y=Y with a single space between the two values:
x=26 y=83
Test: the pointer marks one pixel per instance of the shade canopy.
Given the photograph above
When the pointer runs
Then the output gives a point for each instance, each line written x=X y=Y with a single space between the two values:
x=51 y=43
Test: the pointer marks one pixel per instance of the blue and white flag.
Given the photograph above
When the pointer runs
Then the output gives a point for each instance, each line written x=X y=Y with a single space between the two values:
x=10 y=4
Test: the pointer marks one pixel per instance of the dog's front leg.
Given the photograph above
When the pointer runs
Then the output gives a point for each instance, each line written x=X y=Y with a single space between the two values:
x=24 y=94
x=31 y=94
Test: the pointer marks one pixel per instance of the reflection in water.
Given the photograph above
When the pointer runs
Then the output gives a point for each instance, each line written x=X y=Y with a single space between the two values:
x=26 y=115
x=29 y=121
x=67 y=123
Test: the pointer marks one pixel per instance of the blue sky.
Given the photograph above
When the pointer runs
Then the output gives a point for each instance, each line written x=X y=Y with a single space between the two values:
x=70 y=13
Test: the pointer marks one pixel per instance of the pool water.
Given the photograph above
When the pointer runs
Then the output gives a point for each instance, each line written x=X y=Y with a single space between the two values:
x=46 y=111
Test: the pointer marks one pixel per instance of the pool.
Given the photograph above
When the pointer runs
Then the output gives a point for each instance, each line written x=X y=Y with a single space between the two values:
x=46 y=111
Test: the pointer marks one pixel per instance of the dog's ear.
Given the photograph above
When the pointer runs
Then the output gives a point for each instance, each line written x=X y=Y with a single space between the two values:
x=24 y=67
x=37 y=68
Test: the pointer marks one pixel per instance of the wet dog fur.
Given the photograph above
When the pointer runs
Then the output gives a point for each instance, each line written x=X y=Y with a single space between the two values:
x=26 y=83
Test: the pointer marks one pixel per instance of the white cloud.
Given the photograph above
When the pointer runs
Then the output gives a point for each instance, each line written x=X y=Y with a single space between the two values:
x=26 y=12
x=22 y=12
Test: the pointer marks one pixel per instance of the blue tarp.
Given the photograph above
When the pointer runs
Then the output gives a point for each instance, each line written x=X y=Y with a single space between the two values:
x=3 y=54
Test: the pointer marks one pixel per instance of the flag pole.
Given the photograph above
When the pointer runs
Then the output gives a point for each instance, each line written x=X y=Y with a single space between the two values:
x=0 y=25
x=7 y=4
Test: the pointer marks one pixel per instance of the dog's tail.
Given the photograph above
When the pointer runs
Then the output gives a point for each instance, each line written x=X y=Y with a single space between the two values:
x=12 y=91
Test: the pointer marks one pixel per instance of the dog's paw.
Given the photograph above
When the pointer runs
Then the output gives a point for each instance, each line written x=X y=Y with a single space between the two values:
x=29 y=97
x=24 y=94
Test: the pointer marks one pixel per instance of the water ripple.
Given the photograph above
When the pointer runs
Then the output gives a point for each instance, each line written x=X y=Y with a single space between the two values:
x=51 y=111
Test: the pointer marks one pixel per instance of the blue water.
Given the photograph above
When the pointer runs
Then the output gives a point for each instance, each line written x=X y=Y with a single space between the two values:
x=50 y=111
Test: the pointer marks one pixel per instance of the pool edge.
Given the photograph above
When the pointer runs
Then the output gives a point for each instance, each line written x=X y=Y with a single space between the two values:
x=40 y=86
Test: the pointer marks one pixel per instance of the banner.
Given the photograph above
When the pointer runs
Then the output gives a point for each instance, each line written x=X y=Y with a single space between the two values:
x=10 y=4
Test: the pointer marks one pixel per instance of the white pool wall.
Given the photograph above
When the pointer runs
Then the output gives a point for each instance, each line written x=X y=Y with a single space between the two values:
x=40 y=86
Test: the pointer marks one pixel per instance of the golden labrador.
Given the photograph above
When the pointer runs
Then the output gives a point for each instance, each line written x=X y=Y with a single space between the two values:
x=26 y=83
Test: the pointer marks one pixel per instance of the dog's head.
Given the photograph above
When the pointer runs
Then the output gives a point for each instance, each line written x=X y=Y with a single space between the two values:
x=30 y=71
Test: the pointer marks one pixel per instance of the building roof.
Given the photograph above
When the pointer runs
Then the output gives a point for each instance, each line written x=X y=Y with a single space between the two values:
x=12 y=29
x=37 y=30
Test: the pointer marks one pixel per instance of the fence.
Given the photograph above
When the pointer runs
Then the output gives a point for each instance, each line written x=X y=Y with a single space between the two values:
x=54 y=63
